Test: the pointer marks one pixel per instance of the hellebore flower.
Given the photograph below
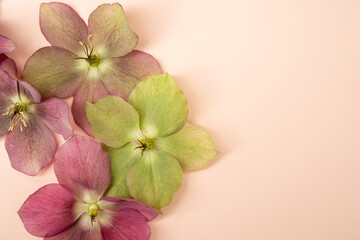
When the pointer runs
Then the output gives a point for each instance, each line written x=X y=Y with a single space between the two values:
x=75 y=209
x=29 y=121
x=6 y=45
x=147 y=141
x=88 y=63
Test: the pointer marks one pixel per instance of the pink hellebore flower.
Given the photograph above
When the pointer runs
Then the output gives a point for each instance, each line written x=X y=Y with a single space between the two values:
x=76 y=209
x=28 y=121
x=6 y=45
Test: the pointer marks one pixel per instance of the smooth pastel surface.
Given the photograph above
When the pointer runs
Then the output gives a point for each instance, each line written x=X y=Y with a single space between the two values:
x=276 y=85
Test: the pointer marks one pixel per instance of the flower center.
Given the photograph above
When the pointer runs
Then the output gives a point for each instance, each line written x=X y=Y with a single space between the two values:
x=93 y=209
x=91 y=58
x=145 y=144
x=16 y=112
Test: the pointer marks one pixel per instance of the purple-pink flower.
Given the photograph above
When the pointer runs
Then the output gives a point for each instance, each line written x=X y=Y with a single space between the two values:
x=6 y=45
x=28 y=121
x=76 y=207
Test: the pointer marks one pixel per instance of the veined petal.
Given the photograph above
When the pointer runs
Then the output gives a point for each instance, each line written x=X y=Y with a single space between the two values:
x=6 y=45
x=91 y=92
x=113 y=121
x=49 y=211
x=115 y=204
x=111 y=35
x=82 y=229
x=28 y=92
x=54 y=71
x=4 y=120
x=161 y=105
x=154 y=179
x=8 y=86
x=55 y=114
x=122 y=159
x=191 y=146
x=62 y=26
x=83 y=166
x=125 y=224
x=121 y=74
x=8 y=65
x=33 y=148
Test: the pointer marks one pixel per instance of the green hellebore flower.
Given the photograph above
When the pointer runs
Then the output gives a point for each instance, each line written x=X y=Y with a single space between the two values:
x=148 y=140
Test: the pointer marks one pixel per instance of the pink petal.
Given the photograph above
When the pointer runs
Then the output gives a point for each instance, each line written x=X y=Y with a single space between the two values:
x=83 y=166
x=91 y=92
x=8 y=65
x=55 y=114
x=49 y=211
x=126 y=224
x=4 y=120
x=125 y=203
x=8 y=86
x=6 y=45
x=127 y=71
x=29 y=91
x=33 y=148
x=62 y=26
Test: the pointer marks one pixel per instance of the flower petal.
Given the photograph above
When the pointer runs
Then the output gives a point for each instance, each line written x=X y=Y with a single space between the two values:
x=113 y=121
x=6 y=45
x=49 y=211
x=83 y=166
x=91 y=92
x=162 y=106
x=154 y=179
x=4 y=120
x=54 y=71
x=191 y=146
x=122 y=159
x=55 y=114
x=126 y=203
x=33 y=148
x=28 y=92
x=8 y=65
x=125 y=224
x=111 y=35
x=8 y=86
x=82 y=229
x=122 y=74
x=62 y=26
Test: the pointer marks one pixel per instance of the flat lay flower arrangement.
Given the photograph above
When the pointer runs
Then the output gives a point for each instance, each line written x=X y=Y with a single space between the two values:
x=119 y=177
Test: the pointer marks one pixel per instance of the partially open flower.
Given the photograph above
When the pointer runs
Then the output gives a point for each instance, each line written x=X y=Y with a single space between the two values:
x=149 y=143
x=6 y=45
x=29 y=121
x=75 y=209
x=87 y=62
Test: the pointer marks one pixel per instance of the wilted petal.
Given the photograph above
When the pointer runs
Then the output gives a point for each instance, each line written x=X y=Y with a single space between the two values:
x=49 y=211
x=154 y=179
x=116 y=204
x=111 y=34
x=161 y=105
x=6 y=45
x=122 y=159
x=90 y=92
x=54 y=71
x=33 y=148
x=55 y=114
x=191 y=146
x=62 y=26
x=125 y=72
x=125 y=224
x=83 y=166
x=113 y=121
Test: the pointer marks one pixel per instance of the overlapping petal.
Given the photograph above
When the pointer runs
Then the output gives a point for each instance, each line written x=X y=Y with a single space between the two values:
x=6 y=45
x=121 y=74
x=191 y=146
x=8 y=65
x=55 y=114
x=54 y=72
x=110 y=33
x=33 y=148
x=49 y=211
x=154 y=179
x=84 y=167
x=161 y=105
x=62 y=26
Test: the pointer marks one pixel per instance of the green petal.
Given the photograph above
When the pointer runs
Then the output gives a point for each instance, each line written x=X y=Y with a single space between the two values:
x=111 y=35
x=161 y=105
x=191 y=146
x=54 y=72
x=154 y=179
x=122 y=159
x=113 y=121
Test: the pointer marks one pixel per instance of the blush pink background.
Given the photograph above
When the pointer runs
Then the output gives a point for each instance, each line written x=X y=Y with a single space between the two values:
x=276 y=84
